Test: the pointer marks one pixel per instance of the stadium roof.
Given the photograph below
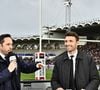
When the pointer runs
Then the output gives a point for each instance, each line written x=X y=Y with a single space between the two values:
x=88 y=29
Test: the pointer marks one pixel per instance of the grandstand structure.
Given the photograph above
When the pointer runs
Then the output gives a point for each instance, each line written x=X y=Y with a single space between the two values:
x=83 y=28
x=87 y=30
x=52 y=39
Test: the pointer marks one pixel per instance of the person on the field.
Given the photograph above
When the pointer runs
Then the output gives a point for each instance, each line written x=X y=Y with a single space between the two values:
x=74 y=69
x=10 y=65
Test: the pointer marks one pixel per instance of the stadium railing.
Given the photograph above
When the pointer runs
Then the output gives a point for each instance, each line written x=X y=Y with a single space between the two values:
x=36 y=85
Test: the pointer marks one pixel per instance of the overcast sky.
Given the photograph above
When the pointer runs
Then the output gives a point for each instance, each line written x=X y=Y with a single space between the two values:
x=21 y=17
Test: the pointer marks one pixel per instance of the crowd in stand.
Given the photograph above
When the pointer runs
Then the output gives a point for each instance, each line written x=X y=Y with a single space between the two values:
x=93 y=49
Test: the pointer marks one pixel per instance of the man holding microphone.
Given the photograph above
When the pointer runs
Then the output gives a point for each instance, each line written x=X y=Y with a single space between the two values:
x=10 y=65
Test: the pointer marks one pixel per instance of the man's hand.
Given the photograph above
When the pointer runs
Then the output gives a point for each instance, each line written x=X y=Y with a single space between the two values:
x=39 y=65
x=12 y=66
x=59 y=89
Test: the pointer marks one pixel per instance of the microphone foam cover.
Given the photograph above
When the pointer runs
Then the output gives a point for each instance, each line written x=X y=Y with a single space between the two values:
x=12 y=58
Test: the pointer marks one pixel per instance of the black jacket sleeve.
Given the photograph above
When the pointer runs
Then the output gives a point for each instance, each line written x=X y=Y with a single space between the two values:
x=28 y=67
x=94 y=76
x=4 y=75
x=55 y=79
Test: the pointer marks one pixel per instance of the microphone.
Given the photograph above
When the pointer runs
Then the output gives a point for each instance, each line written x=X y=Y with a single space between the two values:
x=13 y=58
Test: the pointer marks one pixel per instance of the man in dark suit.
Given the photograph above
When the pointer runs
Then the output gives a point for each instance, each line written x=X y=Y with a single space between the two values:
x=74 y=69
x=11 y=66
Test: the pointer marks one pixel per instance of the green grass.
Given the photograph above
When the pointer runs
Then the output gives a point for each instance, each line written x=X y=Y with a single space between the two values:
x=31 y=76
x=27 y=76
x=48 y=74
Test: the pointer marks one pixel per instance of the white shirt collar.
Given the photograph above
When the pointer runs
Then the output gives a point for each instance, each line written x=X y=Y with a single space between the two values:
x=2 y=55
x=75 y=54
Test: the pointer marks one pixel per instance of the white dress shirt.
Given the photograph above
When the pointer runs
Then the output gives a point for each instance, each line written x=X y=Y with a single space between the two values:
x=74 y=60
x=2 y=55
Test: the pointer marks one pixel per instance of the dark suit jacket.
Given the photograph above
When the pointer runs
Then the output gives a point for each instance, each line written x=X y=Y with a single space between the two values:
x=87 y=76
x=11 y=81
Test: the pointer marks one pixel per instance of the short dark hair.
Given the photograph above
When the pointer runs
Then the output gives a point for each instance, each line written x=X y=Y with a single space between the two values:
x=2 y=36
x=74 y=34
